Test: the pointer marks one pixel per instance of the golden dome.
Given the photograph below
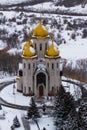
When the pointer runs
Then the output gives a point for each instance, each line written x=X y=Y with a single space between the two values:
x=52 y=51
x=28 y=49
x=40 y=31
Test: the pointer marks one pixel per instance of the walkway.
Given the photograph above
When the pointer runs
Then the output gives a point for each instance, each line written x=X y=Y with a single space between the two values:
x=25 y=123
x=21 y=107
x=83 y=90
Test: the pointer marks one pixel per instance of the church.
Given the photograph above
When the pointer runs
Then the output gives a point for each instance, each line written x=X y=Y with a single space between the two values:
x=40 y=72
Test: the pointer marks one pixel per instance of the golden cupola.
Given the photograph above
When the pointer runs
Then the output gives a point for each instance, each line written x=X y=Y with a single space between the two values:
x=28 y=50
x=40 y=31
x=52 y=52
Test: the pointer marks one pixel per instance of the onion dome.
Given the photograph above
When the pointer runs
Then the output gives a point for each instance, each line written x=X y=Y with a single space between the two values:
x=28 y=50
x=52 y=51
x=40 y=31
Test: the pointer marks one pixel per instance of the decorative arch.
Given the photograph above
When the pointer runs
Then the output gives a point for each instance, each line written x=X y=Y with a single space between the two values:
x=41 y=83
x=41 y=78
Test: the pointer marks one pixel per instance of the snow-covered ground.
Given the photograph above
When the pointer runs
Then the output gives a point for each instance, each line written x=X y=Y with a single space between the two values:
x=50 y=6
x=7 y=94
x=6 y=123
x=9 y=2
x=74 y=50
x=48 y=124
x=18 y=98
x=47 y=6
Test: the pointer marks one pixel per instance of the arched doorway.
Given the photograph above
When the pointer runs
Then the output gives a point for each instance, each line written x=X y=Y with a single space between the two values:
x=41 y=83
x=40 y=90
x=41 y=78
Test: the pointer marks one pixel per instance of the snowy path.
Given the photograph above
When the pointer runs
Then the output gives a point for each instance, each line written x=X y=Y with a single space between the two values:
x=25 y=123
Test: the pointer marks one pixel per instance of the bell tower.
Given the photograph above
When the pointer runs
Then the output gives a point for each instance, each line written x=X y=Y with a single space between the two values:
x=40 y=38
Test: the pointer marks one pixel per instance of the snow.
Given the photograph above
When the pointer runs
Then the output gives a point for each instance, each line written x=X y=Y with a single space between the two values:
x=32 y=49
x=74 y=50
x=73 y=89
x=13 y=51
x=79 y=9
x=48 y=124
x=7 y=94
x=9 y=116
x=2 y=45
x=11 y=98
x=9 y=15
x=6 y=78
x=9 y=2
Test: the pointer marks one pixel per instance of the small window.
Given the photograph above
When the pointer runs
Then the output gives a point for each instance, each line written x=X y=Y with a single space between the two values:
x=24 y=89
x=52 y=66
x=28 y=66
x=34 y=65
x=20 y=73
x=24 y=65
x=57 y=65
x=52 y=88
x=35 y=45
x=48 y=65
x=29 y=89
x=40 y=47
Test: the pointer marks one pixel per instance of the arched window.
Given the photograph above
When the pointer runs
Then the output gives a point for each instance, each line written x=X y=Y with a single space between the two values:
x=29 y=66
x=57 y=65
x=48 y=65
x=24 y=65
x=20 y=73
x=29 y=89
x=34 y=65
x=35 y=45
x=40 y=47
x=52 y=66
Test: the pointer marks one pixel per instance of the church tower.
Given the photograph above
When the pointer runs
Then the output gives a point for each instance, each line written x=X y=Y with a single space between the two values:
x=40 y=71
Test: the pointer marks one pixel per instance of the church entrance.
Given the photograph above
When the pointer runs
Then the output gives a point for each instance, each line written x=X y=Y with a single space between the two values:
x=41 y=83
x=41 y=90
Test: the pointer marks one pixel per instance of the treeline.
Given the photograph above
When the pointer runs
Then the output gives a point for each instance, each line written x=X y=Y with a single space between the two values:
x=77 y=71
x=70 y=3
x=9 y=63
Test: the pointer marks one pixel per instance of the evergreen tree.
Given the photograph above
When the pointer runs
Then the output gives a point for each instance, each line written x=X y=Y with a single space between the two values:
x=64 y=111
x=33 y=110
x=16 y=122
x=82 y=116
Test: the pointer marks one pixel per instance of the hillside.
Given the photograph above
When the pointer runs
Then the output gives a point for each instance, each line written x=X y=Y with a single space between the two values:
x=70 y=3
x=70 y=32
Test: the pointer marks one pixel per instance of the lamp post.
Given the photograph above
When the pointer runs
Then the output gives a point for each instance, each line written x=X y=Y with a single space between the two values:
x=14 y=93
x=14 y=88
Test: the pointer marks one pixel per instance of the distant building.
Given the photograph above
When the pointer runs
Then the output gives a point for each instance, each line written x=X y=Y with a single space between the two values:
x=40 y=74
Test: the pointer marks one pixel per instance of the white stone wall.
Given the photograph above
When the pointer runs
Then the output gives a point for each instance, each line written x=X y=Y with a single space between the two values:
x=37 y=44
x=28 y=71
x=54 y=73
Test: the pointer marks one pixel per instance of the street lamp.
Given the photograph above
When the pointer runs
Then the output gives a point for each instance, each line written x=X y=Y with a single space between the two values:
x=14 y=88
